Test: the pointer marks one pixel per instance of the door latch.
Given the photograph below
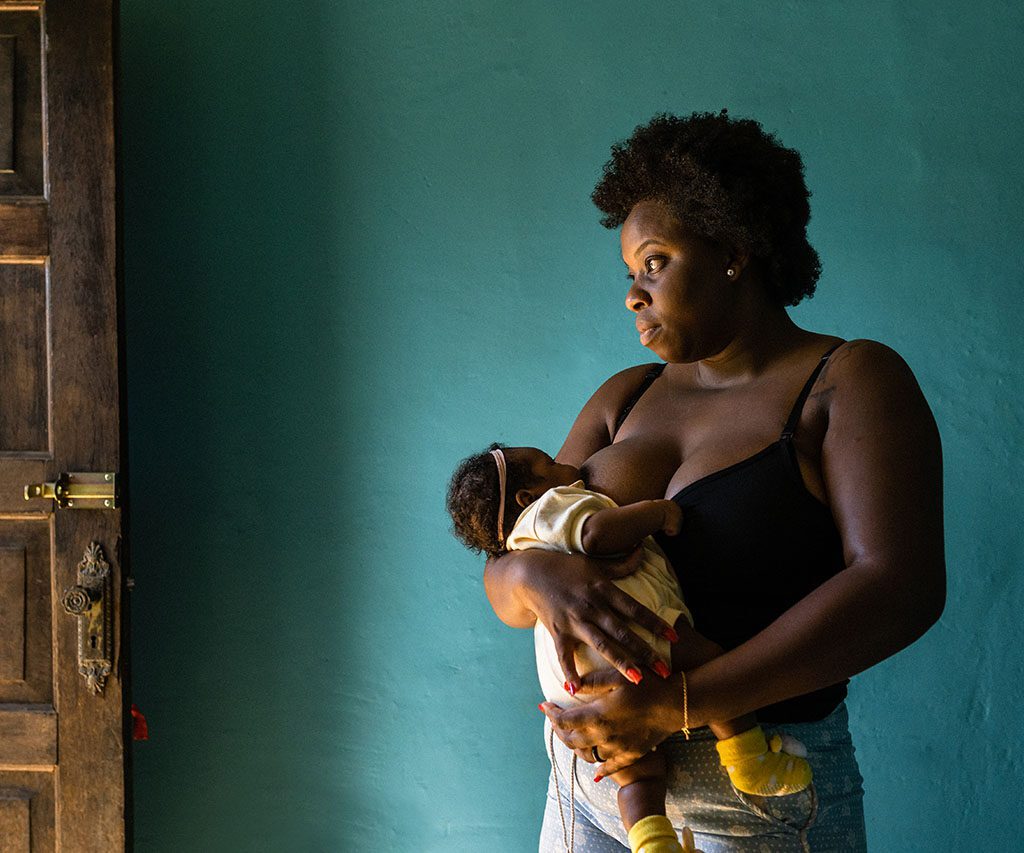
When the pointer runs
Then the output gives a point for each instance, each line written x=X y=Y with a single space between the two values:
x=78 y=490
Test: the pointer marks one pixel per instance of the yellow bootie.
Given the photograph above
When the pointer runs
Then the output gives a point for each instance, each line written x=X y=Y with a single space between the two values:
x=654 y=834
x=754 y=769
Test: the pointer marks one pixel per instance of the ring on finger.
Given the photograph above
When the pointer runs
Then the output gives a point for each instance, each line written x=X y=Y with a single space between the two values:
x=596 y=754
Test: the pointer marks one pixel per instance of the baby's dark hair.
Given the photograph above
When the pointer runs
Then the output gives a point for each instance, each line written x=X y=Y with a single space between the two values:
x=473 y=499
x=726 y=179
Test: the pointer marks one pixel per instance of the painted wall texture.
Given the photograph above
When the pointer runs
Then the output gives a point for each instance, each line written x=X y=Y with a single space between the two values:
x=359 y=245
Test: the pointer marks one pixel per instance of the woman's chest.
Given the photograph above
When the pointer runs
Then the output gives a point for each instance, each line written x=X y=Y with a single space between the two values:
x=673 y=439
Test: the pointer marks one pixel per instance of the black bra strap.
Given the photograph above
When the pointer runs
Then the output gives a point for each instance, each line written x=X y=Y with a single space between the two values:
x=794 y=416
x=649 y=377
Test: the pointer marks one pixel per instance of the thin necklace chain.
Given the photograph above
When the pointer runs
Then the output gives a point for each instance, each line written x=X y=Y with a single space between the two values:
x=568 y=842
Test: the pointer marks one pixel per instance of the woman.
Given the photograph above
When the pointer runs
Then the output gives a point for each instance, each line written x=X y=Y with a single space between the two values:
x=808 y=470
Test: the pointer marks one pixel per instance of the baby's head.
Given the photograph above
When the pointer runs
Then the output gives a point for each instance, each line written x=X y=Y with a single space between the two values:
x=474 y=501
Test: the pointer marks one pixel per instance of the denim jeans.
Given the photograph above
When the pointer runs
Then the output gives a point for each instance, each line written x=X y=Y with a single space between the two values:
x=828 y=817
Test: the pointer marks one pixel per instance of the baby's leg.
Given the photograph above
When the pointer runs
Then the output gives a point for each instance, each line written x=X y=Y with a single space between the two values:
x=641 y=788
x=642 y=805
x=742 y=748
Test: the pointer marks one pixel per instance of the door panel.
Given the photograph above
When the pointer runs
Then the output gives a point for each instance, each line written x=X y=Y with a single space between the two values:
x=27 y=811
x=26 y=671
x=62 y=737
x=21 y=106
x=25 y=234
x=24 y=417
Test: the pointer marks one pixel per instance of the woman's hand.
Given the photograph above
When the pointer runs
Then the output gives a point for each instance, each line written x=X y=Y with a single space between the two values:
x=574 y=598
x=624 y=721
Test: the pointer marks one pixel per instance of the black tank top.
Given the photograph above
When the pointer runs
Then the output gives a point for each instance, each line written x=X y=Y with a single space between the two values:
x=754 y=541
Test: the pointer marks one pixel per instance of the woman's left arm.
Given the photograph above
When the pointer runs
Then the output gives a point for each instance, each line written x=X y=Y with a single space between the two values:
x=882 y=466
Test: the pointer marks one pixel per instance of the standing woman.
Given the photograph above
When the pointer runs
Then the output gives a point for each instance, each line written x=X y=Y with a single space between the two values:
x=808 y=470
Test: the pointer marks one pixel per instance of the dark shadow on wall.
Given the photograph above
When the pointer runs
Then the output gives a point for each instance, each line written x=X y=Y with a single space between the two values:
x=232 y=146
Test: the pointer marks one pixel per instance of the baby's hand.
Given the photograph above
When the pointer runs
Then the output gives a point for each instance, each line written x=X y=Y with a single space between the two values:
x=673 y=522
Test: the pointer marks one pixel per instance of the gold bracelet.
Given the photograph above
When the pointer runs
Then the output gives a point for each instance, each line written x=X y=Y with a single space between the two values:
x=686 y=709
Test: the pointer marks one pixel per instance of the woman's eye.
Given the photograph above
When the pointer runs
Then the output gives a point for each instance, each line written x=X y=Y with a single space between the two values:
x=654 y=263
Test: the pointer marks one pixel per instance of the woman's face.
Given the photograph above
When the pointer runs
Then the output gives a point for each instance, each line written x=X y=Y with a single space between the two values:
x=680 y=292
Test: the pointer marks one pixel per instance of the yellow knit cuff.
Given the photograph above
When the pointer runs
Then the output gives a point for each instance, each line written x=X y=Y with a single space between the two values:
x=742 y=746
x=649 y=829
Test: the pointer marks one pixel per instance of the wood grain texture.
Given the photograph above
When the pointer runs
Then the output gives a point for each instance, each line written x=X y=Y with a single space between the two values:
x=6 y=103
x=25 y=231
x=21 y=29
x=59 y=381
x=28 y=735
x=24 y=371
x=13 y=581
x=27 y=795
x=15 y=823
x=16 y=471
x=27 y=540
x=91 y=776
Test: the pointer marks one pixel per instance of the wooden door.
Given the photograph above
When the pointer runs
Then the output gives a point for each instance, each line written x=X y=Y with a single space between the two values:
x=62 y=734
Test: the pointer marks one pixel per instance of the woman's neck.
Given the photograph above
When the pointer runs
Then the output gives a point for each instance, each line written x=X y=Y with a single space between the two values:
x=759 y=338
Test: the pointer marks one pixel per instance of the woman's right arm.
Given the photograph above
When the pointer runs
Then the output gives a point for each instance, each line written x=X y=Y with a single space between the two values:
x=573 y=595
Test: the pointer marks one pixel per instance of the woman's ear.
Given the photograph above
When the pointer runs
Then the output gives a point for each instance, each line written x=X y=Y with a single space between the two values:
x=524 y=497
x=737 y=263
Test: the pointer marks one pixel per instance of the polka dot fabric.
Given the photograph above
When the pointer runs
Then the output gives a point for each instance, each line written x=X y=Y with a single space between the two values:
x=828 y=817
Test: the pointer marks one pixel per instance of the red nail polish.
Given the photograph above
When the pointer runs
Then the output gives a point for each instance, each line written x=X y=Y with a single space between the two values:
x=570 y=688
x=633 y=675
x=670 y=635
x=660 y=668
x=598 y=777
x=540 y=707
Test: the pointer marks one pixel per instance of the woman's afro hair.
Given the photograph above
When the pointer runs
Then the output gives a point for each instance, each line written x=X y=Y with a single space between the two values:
x=725 y=179
x=473 y=499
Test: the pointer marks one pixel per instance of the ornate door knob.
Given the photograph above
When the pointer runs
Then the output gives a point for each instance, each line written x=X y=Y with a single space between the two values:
x=76 y=600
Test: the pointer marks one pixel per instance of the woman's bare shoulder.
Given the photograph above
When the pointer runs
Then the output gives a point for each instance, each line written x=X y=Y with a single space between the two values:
x=869 y=392
x=617 y=389
x=595 y=423
x=861 y=364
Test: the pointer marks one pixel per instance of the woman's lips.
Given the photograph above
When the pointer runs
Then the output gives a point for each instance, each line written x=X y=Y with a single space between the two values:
x=647 y=334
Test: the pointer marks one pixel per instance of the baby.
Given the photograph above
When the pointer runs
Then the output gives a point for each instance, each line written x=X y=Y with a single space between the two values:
x=556 y=512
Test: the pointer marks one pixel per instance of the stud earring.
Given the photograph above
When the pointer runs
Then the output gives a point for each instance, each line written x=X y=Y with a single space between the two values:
x=730 y=272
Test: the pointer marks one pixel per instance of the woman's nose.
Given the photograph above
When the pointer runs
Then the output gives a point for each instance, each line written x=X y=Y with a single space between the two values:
x=637 y=298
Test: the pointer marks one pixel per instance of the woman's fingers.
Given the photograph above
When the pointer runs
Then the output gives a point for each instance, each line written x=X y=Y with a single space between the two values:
x=600 y=681
x=569 y=725
x=636 y=612
x=566 y=650
x=624 y=660
x=615 y=760
x=576 y=728
x=575 y=599
x=585 y=755
x=615 y=627
x=625 y=723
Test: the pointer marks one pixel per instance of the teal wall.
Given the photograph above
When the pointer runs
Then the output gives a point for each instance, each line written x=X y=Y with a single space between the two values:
x=355 y=233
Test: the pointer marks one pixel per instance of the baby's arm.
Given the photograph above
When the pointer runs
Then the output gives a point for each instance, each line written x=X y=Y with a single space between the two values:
x=617 y=530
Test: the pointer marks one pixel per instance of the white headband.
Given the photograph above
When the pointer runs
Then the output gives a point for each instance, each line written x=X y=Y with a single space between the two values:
x=499 y=458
